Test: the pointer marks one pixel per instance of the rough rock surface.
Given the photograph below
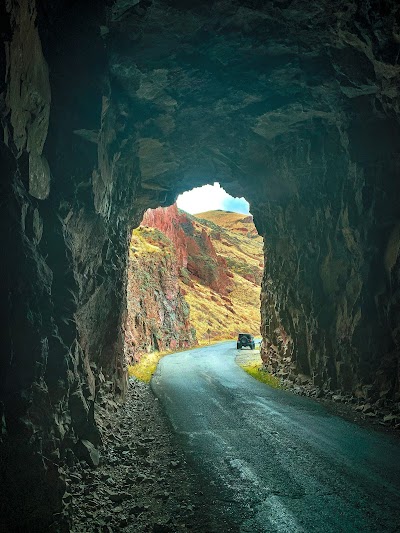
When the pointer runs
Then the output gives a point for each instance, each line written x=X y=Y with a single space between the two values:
x=171 y=223
x=363 y=404
x=194 y=248
x=109 y=108
x=191 y=279
x=157 y=316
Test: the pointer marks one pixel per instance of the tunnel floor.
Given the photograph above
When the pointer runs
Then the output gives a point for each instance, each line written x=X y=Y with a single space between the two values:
x=148 y=481
x=282 y=462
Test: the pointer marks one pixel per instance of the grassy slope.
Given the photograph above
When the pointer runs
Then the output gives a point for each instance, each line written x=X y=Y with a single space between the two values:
x=240 y=241
x=239 y=244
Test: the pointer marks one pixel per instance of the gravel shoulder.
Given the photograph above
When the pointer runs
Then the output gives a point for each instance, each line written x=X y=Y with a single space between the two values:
x=143 y=483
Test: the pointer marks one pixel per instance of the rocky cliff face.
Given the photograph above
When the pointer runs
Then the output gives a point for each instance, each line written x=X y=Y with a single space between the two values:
x=62 y=294
x=172 y=224
x=194 y=247
x=157 y=313
x=110 y=108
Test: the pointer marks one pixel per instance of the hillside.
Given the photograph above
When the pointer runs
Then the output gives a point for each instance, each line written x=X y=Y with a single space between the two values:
x=235 y=237
x=189 y=273
x=232 y=221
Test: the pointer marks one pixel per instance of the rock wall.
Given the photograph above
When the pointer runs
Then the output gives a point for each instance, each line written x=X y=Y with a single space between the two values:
x=330 y=291
x=66 y=239
x=171 y=223
x=157 y=313
x=108 y=109
x=194 y=249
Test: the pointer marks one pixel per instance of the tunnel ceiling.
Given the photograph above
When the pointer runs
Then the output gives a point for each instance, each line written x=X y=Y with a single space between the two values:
x=216 y=89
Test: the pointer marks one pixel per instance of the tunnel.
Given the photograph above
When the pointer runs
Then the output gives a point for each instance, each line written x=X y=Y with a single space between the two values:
x=114 y=107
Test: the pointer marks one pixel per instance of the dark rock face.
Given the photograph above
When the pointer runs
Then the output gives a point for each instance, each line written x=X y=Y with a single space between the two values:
x=107 y=110
x=62 y=292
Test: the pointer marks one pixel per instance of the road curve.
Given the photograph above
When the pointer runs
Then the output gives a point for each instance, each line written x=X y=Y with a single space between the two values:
x=276 y=461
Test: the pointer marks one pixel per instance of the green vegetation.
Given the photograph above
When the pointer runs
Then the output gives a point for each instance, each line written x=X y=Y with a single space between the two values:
x=146 y=240
x=253 y=368
x=185 y=275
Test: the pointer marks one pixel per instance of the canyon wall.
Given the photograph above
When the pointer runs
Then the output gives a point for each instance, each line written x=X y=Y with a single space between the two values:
x=194 y=249
x=157 y=316
x=110 y=108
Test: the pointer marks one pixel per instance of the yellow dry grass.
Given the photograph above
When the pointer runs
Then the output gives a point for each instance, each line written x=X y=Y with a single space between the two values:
x=244 y=253
x=225 y=219
x=245 y=247
x=209 y=311
x=146 y=367
x=140 y=243
x=254 y=369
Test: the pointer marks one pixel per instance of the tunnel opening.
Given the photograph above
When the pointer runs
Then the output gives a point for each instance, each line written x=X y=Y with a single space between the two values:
x=293 y=104
x=194 y=274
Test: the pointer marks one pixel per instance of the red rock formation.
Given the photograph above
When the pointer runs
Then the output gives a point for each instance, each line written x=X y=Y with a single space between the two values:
x=158 y=315
x=168 y=221
x=193 y=246
x=180 y=249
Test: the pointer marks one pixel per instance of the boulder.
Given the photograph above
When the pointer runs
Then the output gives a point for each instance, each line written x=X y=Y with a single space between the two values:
x=85 y=450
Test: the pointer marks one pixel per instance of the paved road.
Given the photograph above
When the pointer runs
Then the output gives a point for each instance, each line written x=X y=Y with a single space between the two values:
x=276 y=462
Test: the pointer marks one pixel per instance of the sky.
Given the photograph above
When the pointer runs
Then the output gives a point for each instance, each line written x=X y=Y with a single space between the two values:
x=210 y=198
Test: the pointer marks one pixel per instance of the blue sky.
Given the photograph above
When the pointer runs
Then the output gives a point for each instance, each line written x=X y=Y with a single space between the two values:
x=210 y=198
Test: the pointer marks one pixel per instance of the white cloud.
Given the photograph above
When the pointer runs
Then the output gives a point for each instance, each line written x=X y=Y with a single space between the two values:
x=210 y=198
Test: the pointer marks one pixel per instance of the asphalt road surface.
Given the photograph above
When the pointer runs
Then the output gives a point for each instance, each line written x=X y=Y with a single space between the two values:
x=271 y=461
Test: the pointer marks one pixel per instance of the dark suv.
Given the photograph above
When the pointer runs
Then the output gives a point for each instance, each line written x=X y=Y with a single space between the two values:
x=245 y=339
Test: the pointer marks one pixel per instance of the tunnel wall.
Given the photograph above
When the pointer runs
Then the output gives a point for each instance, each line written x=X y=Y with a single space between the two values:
x=107 y=111
x=330 y=289
x=66 y=226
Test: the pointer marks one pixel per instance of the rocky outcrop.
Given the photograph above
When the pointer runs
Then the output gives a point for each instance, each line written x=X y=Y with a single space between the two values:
x=206 y=265
x=157 y=313
x=171 y=223
x=194 y=248
x=156 y=491
x=108 y=109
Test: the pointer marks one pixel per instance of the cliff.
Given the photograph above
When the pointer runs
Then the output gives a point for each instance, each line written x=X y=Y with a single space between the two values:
x=191 y=278
x=194 y=248
x=157 y=313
